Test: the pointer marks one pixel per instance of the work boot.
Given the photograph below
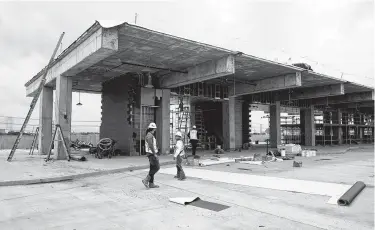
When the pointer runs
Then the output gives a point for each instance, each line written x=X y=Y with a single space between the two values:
x=182 y=175
x=178 y=175
x=146 y=180
x=152 y=185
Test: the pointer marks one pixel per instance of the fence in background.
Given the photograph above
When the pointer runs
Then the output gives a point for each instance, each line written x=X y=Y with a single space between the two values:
x=7 y=141
x=13 y=124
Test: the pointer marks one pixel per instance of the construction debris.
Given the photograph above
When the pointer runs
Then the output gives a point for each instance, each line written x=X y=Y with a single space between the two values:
x=290 y=149
x=215 y=161
x=77 y=158
x=237 y=160
x=245 y=169
x=219 y=151
x=308 y=153
x=287 y=158
x=252 y=162
x=297 y=164
x=197 y=202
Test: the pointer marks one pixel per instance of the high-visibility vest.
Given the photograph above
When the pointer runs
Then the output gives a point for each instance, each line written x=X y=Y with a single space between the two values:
x=179 y=148
x=193 y=134
x=147 y=148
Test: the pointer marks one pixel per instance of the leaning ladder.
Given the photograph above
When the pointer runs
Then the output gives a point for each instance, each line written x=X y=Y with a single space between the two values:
x=61 y=135
x=34 y=141
x=34 y=101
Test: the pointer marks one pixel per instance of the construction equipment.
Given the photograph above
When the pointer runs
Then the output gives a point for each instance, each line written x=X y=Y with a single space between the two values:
x=34 y=141
x=58 y=129
x=34 y=101
x=199 y=122
x=106 y=148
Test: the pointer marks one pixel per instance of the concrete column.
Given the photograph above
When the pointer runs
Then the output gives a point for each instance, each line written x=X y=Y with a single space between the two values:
x=302 y=125
x=309 y=126
x=192 y=115
x=245 y=122
x=162 y=122
x=238 y=124
x=275 y=132
x=63 y=113
x=232 y=124
x=45 y=119
x=226 y=124
x=339 y=129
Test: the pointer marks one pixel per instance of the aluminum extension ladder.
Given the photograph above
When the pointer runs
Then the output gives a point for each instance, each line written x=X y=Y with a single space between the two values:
x=35 y=100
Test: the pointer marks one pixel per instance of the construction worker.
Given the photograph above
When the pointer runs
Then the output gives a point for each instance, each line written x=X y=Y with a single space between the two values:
x=193 y=136
x=151 y=150
x=179 y=153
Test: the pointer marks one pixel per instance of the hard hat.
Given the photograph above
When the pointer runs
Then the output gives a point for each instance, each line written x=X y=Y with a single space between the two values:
x=178 y=133
x=194 y=127
x=152 y=125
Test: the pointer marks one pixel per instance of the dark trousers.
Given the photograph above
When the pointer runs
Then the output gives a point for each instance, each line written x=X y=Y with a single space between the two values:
x=194 y=144
x=180 y=171
x=154 y=167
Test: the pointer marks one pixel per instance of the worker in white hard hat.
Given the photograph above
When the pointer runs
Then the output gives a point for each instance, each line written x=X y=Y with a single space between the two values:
x=179 y=153
x=193 y=136
x=151 y=150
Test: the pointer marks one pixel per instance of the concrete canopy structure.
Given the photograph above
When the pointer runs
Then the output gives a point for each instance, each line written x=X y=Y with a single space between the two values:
x=106 y=53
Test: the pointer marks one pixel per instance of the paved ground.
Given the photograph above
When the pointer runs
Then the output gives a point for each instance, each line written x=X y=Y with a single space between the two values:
x=120 y=201
x=25 y=167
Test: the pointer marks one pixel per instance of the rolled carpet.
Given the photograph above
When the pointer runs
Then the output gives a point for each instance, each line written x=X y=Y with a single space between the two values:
x=349 y=196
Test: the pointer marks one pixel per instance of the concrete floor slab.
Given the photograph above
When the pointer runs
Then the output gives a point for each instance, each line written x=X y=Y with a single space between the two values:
x=118 y=202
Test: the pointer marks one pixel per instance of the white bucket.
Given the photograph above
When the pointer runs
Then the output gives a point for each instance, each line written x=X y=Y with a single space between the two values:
x=282 y=152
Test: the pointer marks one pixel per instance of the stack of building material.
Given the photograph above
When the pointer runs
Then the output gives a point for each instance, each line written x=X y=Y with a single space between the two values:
x=290 y=149
x=308 y=153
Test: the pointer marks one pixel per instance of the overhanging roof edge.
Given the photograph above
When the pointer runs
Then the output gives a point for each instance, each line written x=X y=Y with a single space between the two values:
x=77 y=42
x=110 y=24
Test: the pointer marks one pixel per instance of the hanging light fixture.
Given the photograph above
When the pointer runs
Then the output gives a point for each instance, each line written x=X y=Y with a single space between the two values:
x=149 y=84
x=79 y=98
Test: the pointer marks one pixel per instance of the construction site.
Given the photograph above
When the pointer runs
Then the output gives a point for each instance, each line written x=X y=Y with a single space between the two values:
x=302 y=167
x=145 y=76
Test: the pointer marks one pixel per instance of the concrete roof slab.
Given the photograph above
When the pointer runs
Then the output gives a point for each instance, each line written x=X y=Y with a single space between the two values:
x=138 y=45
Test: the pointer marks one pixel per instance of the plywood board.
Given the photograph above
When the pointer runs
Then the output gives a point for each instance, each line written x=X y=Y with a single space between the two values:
x=215 y=162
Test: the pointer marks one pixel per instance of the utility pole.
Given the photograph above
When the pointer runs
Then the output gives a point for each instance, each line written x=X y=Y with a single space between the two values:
x=135 y=19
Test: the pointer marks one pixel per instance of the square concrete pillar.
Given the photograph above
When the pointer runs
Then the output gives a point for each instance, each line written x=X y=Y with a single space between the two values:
x=232 y=123
x=275 y=132
x=308 y=123
x=192 y=115
x=245 y=122
x=162 y=122
x=339 y=129
x=45 y=119
x=63 y=114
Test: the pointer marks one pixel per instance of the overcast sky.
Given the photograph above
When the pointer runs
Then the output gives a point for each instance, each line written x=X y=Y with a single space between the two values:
x=334 y=37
